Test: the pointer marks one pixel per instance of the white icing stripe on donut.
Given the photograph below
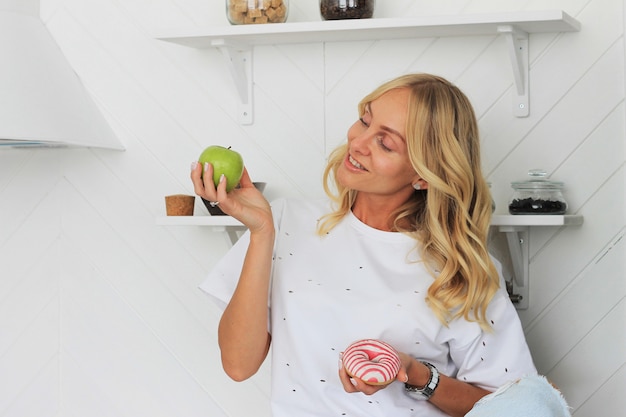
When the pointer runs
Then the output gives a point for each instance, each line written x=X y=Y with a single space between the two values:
x=373 y=361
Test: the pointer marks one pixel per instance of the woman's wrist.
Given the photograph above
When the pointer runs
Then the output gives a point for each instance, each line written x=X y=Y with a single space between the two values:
x=265 y=231
x=418 y=374
x=425 y=391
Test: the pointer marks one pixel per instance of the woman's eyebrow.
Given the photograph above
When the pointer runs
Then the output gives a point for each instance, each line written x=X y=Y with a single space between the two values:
x=383 y=127
x=393 y=132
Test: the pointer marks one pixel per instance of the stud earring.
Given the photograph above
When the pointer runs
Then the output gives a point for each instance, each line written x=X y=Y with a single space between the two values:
x=417 y=186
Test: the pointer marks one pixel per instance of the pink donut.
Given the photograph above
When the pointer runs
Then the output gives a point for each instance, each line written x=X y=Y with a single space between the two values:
x=373 y=361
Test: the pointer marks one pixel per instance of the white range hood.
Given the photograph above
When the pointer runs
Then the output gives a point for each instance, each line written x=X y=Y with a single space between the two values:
x=42 y=101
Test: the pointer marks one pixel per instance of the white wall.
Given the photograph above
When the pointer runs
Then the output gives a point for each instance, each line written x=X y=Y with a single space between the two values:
x=99 y=310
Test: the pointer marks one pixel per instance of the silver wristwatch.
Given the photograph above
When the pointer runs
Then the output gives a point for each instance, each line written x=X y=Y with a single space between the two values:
x=427 y=391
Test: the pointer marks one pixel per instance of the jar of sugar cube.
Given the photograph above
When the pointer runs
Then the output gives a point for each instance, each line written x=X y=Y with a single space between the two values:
x=244 y=12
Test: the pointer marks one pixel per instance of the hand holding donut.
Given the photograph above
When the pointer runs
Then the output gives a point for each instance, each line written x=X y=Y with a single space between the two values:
x=369 y=365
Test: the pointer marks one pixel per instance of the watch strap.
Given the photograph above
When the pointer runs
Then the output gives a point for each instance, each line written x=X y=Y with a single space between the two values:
x=428 y=390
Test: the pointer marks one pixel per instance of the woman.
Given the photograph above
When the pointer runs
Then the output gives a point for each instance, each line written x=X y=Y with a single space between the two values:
x=398 y=253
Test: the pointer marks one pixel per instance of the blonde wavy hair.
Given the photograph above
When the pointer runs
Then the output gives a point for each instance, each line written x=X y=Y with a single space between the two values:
x=451 y=218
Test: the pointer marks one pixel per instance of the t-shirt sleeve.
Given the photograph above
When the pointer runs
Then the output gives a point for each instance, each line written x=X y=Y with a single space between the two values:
x=221 y=282
x=491 y=359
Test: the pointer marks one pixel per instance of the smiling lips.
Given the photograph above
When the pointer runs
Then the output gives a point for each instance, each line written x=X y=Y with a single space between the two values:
x=355 y=163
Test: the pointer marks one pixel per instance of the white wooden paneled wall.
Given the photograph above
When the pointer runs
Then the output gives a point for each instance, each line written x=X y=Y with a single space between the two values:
x=99 y=309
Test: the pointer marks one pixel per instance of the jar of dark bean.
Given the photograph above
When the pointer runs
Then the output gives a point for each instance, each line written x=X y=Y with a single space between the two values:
x=346 y=9
x=538 y=195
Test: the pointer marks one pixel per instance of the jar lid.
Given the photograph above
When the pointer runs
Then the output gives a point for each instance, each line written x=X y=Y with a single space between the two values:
x=538 y=180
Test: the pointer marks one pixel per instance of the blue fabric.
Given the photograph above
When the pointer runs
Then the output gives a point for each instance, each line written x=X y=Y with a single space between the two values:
x=531 y=396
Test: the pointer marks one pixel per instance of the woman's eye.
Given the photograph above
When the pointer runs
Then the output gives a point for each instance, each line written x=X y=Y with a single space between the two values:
x=363 y=122
x=381 y=143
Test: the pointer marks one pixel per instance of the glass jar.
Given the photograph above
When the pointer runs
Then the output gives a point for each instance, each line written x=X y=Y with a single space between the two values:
x=346 y=9
x=538 y=195
x=243 y=12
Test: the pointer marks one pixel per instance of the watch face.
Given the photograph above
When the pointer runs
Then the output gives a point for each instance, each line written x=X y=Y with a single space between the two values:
x=415 y=393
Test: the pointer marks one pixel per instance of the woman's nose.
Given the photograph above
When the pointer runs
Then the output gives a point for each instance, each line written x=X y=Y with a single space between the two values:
x=361 y=143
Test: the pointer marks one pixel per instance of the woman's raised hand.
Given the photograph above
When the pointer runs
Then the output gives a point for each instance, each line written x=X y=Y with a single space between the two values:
x=245 y=203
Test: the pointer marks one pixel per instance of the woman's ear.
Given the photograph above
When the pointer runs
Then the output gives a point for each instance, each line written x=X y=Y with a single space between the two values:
x=420 y=184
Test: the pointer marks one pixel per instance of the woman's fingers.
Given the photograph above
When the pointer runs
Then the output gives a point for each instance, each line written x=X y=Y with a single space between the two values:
x=346 y=381
x=195 y=173
x=207 y=177
x=196 y=178
x=221 y=188
x=202 y=179
x=352 y=385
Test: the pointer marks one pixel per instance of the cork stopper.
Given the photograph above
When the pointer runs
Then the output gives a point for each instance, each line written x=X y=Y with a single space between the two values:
x=179 y=205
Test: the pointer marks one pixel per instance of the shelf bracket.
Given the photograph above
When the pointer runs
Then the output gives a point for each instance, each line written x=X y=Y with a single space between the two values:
x=517 y=42
x=238 y=58
x=517 y=239
x=234 y=233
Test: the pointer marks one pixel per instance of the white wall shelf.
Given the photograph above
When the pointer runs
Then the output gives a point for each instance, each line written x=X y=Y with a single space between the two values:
x=517 y=231
x=217 y=224
x=236 y=41
x=508 y=220
x=499 y=220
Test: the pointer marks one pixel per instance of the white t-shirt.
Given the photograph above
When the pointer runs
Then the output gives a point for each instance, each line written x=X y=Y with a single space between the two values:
x=355 y=283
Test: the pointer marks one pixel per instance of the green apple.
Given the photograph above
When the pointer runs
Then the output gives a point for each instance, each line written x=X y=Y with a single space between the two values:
x=225 y=161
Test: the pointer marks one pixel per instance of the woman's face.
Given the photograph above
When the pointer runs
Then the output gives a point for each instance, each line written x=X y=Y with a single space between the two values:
x=377 y=161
